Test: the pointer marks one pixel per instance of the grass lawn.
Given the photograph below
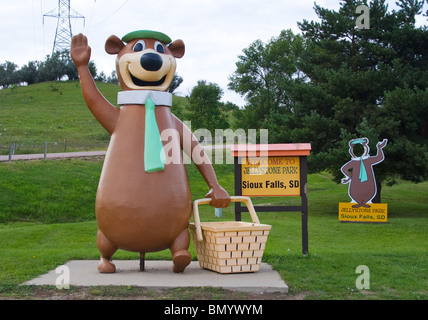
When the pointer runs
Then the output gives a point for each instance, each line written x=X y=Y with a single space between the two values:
x=47 y=218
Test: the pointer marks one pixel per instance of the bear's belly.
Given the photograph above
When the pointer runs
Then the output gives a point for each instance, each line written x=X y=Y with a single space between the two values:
x=140 y=211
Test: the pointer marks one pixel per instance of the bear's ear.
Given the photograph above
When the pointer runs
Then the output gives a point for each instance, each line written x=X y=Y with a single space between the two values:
x=177 y=48
x=113 y=45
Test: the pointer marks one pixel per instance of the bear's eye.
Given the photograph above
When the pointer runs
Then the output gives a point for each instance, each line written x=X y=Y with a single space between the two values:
x=140 y=46
x=159 y=47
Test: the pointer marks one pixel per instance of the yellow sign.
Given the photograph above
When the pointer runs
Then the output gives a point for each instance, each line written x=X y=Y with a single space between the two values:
x=271 y=176
x=378 y=212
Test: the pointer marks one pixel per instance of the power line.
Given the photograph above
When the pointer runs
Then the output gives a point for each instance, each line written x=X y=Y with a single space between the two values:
x=112 y=14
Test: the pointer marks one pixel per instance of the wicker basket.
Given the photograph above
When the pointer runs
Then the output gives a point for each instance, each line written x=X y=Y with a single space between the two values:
x=229 y=247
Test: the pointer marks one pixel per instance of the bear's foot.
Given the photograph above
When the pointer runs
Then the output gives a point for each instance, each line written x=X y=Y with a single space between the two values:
x=106 y=266
x=359 y=205
x=181 y=260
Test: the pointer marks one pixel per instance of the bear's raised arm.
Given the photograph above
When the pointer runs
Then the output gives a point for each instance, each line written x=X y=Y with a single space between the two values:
x=106 y=113
x=380 y=156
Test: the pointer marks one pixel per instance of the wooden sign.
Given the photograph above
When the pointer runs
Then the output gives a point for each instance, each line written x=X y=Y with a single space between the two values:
x=271 y=176
x=265 y=170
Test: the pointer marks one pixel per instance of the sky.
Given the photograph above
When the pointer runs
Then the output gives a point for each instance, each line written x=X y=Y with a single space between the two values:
x=214 y=31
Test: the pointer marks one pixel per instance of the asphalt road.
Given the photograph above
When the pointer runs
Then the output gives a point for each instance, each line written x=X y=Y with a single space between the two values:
x=41 y=156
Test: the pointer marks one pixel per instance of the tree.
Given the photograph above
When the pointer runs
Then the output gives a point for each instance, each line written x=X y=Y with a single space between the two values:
x=28 y=73
x=58 y=66
x=410 y=9
x=369 y=83
x=70 y=69
x=113 y=78
x=52 y=68
x=344 y=83
x=92 y=69
x=265 y=74
x=8 y=74
x=205 y=107
x=101 y=77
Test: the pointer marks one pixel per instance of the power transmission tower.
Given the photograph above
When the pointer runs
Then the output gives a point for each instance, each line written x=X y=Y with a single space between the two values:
x=64 y=13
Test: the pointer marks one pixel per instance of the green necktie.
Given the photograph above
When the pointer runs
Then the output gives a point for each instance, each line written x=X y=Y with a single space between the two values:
x=363 y=172
x=154 y=155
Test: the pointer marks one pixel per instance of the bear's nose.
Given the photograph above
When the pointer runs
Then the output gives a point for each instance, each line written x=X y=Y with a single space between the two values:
x=151 y=61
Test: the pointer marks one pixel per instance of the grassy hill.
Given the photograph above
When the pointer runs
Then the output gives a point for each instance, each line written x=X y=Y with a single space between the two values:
x=50 y=111
x=54 y=112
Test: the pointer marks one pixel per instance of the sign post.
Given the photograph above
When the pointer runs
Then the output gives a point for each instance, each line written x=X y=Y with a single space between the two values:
x=270 y=170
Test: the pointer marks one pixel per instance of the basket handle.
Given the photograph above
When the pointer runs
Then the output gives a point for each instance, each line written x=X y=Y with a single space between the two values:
x=196 y=203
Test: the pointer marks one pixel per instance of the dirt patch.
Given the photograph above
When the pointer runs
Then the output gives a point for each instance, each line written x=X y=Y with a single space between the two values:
x=137 y=293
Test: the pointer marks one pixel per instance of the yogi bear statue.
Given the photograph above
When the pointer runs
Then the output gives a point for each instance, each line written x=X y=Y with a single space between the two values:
x=143 y=201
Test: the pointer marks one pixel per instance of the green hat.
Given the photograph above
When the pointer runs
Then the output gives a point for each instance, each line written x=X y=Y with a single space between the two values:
x=355 y=141
x=147 y=34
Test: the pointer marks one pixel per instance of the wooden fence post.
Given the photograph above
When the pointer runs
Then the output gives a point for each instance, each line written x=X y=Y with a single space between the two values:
x=46 y=150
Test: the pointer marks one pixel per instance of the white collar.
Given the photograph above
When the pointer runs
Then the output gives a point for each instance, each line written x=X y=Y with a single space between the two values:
x=359 y=158
x=160 y=98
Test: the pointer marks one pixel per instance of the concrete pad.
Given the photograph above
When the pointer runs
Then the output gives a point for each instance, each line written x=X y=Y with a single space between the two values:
x=159 y=274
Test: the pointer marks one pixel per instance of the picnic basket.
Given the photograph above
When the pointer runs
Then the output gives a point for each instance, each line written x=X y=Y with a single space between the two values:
x=229 y=246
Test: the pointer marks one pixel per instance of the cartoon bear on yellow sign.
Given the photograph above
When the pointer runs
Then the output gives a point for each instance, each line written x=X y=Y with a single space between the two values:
x=359 y=172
